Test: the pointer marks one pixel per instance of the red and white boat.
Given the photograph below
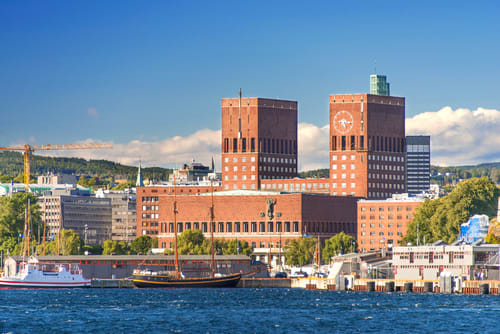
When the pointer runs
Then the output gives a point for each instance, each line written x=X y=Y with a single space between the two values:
x=33 y=274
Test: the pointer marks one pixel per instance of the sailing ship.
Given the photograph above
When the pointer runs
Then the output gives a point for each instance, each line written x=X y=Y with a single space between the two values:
x=161 y=279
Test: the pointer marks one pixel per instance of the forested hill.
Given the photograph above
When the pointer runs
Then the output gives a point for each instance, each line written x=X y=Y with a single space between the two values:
x=11 y=163
x=440 y=175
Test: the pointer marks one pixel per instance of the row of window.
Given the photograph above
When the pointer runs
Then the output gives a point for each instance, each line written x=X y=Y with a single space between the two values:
x=150 y=199
x=390 y=208
x=375 y=143
x=344 y=157
x=385 y=185
x=150 y=215
x=266 y=145
x=385 y=176
x=381 y=225
x=386 y=167
x=296 y=186
x=389 y=158
x=243 y=177
x=383 y=217
x=343 y=166
x=229 y=227
x=390 y=233
x=381 y=241
x=149 y=208
x=344 y=176
x=344 y=185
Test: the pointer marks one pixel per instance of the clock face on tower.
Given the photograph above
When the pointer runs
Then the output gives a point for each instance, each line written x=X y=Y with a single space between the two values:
x=343 y=121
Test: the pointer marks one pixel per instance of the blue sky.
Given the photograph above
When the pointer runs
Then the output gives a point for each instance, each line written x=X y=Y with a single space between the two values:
x=123 y=71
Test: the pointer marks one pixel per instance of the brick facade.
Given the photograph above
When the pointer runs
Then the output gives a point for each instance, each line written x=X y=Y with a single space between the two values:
x=244 y=215
x=259 y=141
x=382 y=223
x=367 y=145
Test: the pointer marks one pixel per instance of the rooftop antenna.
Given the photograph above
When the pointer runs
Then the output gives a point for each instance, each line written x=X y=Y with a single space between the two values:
x=239 y=115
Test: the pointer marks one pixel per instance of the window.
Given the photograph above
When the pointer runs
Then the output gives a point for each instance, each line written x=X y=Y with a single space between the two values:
x=237 y=227
x=287 y=227
x=295 y=227
x=204 y=227
x=229 y=227
x=262 y=227
x=254 y=226
x=270 y=227
x=245 y=227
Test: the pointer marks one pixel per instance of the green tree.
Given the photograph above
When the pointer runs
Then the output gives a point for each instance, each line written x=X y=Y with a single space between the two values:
x=142 y=244
x=440 y=219
x=13 y=215
x=5 y=178
x=114 y=247
x=190 y=242
x=10 y=245
x=71 y=243
x=124 y=185
x=300 y=251
x=339 y=243
x=230 y=247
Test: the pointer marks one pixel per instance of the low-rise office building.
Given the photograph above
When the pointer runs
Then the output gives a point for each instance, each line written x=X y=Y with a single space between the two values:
x=382 y=223
x=429 y=261
x=123 y=213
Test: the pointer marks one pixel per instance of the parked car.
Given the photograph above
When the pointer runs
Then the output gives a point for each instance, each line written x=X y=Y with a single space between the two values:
x=280 y=274
x=298 y=274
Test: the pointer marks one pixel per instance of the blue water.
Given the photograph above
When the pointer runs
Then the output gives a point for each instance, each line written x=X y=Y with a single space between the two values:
x=244 y=311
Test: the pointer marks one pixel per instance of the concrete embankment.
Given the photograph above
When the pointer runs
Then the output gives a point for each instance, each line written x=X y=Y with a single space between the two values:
x=348 y=283
x=264 y=283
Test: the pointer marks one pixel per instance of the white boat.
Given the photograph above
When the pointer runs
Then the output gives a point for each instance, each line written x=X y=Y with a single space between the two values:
x=33 y=274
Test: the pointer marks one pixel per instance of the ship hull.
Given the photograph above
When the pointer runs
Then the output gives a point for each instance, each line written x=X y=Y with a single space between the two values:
x=158 y=281
x=12 y=284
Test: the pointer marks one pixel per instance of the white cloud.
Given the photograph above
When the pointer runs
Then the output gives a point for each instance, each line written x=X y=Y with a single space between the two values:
x=458 y=137
x=92 y=112
x=169 y=152
x=461 y=136
x=314 y=148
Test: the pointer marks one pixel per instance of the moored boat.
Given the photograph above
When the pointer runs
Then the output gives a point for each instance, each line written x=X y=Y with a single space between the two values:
x=33 y=274
x=151 y=279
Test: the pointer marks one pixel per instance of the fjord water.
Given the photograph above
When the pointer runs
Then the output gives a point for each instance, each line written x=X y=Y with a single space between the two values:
x=243 y=310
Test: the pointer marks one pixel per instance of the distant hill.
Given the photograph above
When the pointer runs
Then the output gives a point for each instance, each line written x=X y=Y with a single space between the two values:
x=11 y=163
x=440 y=175
x=317 y=173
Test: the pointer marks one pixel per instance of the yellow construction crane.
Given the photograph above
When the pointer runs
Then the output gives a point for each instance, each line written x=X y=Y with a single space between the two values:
x=28 y=149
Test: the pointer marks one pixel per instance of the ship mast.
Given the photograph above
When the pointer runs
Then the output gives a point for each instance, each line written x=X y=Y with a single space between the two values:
x=175 y=234
x=212 y=216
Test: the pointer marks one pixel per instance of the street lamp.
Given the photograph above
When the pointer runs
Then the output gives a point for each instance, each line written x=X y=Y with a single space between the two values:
x=86 y=229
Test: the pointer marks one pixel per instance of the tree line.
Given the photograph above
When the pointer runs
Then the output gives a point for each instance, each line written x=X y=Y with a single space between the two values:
x=440 y=219
x=12 y=165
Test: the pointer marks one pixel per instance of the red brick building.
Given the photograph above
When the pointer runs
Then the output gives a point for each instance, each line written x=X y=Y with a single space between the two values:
x=259 y=152
x=382 y=223
x=259 y=141
x=246 y=215
x=367 y=145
